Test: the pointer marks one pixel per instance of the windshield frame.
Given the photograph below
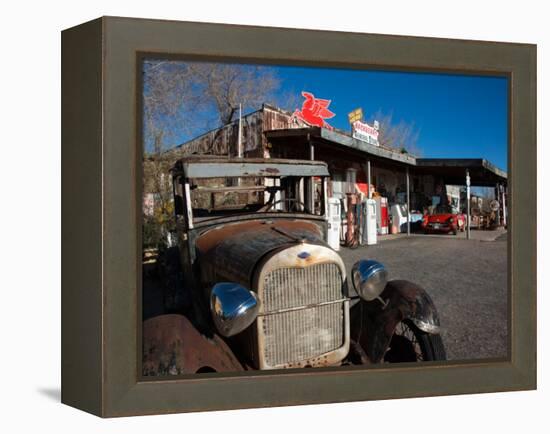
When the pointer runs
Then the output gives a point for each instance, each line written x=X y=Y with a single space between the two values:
x=184 y=211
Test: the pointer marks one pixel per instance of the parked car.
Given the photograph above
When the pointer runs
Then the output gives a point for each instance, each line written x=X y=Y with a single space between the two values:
x=264 y=290
x=444 y=220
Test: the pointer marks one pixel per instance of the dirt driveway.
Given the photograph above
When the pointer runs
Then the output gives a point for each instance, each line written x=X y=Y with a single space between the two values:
x=467 y=279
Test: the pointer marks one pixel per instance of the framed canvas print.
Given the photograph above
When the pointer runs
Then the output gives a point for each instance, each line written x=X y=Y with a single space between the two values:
x=258 y=216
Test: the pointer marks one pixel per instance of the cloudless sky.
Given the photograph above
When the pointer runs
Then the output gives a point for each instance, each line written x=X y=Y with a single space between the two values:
x=458 y=116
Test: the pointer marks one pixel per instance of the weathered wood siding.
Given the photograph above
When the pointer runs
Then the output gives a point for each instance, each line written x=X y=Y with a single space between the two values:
x=223 y=141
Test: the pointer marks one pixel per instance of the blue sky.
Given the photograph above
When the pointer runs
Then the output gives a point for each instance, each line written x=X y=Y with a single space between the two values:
x=457 y=116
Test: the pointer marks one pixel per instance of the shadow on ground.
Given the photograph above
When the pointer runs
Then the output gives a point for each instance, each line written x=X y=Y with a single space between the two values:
x=53 y=393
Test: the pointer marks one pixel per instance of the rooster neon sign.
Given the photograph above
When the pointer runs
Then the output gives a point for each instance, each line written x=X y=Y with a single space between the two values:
x=314 y=111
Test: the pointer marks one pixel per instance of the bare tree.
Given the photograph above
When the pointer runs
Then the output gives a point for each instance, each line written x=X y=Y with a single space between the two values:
x=183 y=98
x=168 y=98
x=401 y=136
x=289 y=100
x=225 y=86
x=157 y=181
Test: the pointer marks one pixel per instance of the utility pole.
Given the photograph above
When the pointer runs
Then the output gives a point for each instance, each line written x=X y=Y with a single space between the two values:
x=240 y=139
x=240 y=134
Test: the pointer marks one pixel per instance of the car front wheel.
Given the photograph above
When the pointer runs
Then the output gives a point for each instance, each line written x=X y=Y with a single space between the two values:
x=410 y=344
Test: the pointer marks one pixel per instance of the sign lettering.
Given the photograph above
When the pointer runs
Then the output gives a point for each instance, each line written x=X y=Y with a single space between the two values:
x=363 y=131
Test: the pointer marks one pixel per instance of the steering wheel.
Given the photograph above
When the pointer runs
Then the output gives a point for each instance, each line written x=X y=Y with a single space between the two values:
x=289 y=200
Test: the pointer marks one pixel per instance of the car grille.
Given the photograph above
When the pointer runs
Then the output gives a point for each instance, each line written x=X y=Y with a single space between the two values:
x=303 y=313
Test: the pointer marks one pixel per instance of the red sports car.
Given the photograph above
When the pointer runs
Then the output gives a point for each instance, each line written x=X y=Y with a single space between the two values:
x=443 y=220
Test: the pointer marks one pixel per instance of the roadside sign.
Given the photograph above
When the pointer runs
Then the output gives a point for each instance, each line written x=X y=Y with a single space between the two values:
x=355 y=115
x=314 y=111
x=365 y=132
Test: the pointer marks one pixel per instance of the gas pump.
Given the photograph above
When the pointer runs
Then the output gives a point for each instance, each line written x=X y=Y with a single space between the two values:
x=334 y=221
x=399 y=218
x=382 y=215
x=352 y=233
x=370 y=224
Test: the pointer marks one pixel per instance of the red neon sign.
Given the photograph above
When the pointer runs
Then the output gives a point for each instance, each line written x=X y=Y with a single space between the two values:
x=314 y=111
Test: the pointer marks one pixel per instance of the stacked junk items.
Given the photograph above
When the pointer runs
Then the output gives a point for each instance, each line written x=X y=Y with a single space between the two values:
x=485 y=215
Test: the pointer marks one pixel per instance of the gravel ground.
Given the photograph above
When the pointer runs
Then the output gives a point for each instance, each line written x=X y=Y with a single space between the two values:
x=467 y=281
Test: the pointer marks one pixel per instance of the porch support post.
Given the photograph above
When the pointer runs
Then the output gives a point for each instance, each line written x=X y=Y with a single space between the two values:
x=408 y=204
x=369 y=194
x=504 y=213
x=467 y=204
x=498 y=198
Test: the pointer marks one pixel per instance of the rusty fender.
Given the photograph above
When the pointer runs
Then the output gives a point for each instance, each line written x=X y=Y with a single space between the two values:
x=173 y=346
x=373 y=324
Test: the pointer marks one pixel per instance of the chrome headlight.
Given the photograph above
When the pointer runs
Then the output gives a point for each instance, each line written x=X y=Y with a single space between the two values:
x=233 y=308
x=369 y=278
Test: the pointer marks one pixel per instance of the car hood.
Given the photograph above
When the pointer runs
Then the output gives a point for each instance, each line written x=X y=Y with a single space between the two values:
x=440 y=218
x=231 y=252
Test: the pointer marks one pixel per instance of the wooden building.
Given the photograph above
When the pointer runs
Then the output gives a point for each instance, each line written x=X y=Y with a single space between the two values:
x=401 y=177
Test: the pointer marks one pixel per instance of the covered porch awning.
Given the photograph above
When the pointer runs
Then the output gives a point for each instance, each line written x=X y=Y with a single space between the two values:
x=453 y=171
x=334 y=140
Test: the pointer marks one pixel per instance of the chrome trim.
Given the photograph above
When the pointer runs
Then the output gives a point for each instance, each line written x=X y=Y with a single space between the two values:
x=427 y=327
x=369 y=278
x=306 y=306
x=234 y=308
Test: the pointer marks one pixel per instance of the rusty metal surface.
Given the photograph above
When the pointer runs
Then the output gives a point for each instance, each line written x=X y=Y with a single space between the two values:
x=230 y=252
x=225 y=159
x=172 y=346
x=208 y=167
x=244 y=252
x=201 y=224
x=373 y=325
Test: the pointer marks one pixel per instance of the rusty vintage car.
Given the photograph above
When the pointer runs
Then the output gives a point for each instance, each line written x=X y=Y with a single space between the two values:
x=262 y=289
